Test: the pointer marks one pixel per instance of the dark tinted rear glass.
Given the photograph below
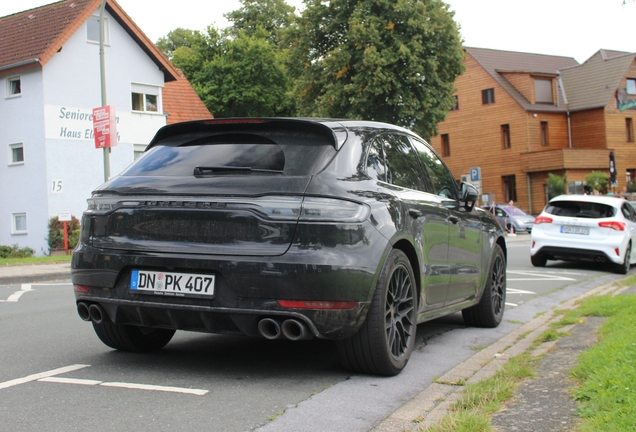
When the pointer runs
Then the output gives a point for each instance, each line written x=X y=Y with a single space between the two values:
x=580 y=209
x=286 y=153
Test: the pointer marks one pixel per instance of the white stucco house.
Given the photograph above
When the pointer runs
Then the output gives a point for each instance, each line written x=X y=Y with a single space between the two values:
x=49 y=84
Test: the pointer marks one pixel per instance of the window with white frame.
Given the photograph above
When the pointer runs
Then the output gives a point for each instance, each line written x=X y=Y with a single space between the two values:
x=19 y=223
x=16 y=154
x=14 y=87
x=630 y=86
x=146 y=98
x=92 y=30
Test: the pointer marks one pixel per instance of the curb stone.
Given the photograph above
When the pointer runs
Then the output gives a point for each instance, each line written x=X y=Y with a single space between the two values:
x=436 y=401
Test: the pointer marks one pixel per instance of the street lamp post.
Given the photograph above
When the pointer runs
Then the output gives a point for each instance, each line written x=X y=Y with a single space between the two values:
x=102 y=73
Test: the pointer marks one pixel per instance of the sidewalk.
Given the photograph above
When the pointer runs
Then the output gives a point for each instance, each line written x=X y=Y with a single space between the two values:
x=17 y=274
x=541 y=404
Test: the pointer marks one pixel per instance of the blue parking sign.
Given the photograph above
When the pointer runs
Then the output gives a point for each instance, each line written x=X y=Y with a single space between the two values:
x=475 y=174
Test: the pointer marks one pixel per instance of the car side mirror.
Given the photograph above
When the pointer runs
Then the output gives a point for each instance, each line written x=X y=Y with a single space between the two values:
x=468 y=195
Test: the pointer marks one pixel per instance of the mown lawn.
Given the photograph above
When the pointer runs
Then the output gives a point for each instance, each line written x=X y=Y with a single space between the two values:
x=35 y=260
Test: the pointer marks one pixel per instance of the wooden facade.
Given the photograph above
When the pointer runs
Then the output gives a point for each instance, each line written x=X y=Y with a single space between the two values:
x=540 y=138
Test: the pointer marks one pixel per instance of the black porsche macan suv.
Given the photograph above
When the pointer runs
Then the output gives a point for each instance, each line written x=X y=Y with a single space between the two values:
x=354 y=231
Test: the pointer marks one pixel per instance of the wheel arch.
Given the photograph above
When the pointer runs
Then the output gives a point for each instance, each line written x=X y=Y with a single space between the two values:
x=408 y=249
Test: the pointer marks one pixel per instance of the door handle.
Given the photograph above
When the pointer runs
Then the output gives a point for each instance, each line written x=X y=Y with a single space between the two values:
x=415 y=213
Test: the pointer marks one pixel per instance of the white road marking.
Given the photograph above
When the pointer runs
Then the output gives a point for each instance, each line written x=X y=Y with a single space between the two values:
x=13 y=298
x=518 y=291
x=155 y=387
x=537 y=276
x=61 y=380
x=38 y=376
x=512 y=304
x=51 y=377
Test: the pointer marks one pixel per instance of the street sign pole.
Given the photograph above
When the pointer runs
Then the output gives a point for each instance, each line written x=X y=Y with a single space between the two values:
x=102 y=72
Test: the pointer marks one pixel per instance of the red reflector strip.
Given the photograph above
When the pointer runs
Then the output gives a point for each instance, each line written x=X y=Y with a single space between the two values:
x=617 y=252
x=316 y=304
x=81 y=288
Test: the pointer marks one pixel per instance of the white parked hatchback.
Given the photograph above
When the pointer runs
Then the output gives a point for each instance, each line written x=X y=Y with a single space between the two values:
x=585 y=228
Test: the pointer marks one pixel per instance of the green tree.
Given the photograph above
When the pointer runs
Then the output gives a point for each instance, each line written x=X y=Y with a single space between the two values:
x=246 y=78
x=273 y=16
x=189 y=50
x=597 y=180
x=384 y=60
x=556 y=184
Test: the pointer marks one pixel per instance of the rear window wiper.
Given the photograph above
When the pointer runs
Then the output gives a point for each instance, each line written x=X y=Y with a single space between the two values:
x=212 y=170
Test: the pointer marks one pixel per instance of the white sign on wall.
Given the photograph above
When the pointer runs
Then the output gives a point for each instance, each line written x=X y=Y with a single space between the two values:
x=76 y=124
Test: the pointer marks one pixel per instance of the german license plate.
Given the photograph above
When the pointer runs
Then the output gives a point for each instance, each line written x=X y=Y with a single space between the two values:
x=575 y=230
x=172 y=284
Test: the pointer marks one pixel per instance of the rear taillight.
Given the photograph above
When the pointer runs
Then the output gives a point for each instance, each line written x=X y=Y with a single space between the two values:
x=81 y=288
x=615 y=225
x=300 y=304
x=542 y=219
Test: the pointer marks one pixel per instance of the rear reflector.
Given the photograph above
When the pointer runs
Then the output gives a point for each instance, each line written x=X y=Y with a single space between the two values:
x=618 y=226
x=81 y=288
x=316 y=304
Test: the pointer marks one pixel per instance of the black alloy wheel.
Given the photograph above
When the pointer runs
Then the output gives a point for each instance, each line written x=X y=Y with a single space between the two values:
x=384 y=343
x=490 y=309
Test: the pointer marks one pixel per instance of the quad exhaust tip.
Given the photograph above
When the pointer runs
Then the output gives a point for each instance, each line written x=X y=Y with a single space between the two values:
x=91 y=312
x=292 y=329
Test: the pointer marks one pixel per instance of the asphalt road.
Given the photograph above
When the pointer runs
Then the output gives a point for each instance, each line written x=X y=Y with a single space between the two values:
x=56 y=375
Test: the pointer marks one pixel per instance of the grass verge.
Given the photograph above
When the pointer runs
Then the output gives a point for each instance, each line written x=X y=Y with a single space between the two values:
x=35 y=260
x=606 y=373
x=479 y=400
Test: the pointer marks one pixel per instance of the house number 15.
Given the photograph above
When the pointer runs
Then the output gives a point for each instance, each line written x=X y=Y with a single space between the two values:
x=57 y=186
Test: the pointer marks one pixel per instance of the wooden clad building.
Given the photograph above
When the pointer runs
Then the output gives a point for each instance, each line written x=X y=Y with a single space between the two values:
x=520 y=116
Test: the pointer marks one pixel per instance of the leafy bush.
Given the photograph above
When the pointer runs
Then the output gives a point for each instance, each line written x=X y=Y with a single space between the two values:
x=556 y=184
x=15 y=251
x=597 y=180
x=55 y=238
x=631 y=187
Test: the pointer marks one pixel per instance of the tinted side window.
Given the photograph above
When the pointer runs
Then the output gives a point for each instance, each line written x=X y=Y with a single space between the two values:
x=441 y=178
x=376 y=165
x=403 y=167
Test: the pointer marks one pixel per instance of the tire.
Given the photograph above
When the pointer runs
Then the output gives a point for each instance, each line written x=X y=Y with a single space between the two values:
x=489 y=311
x=132 y=338
x=384 y=343
x=538 y=260
x=624 y=268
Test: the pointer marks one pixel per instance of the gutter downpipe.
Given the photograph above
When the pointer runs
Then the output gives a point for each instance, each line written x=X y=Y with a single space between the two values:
x=567 y=110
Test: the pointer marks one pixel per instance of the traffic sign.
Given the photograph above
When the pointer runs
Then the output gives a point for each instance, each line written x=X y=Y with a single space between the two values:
x=475 y=174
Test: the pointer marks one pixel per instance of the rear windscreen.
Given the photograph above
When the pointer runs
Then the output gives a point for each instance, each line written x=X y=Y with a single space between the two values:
x=234 y=153
x=580 y=209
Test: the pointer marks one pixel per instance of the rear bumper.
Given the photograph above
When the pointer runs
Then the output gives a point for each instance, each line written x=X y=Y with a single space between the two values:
x=581 y=250
x=246 y=287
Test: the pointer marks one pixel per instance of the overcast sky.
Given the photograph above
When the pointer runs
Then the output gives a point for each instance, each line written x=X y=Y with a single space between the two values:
x=572 y=28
